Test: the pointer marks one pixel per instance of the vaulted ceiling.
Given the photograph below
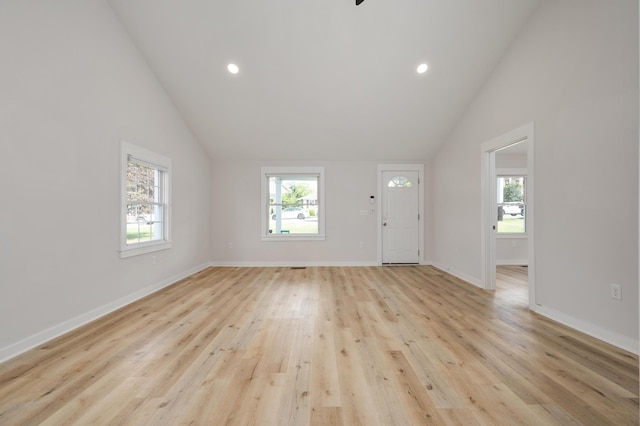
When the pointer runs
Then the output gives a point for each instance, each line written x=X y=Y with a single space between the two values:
x=322 y=79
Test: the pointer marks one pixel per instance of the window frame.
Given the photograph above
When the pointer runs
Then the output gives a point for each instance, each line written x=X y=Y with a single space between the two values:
x=162 y=163
x=267 y=172
x=515 y=173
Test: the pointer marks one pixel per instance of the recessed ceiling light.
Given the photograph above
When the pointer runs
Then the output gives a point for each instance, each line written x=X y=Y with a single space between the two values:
x=233 y=68
x=422 y=68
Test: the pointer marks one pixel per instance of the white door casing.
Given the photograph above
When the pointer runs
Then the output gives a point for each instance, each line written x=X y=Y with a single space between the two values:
x=489 y=203
x=400 y=216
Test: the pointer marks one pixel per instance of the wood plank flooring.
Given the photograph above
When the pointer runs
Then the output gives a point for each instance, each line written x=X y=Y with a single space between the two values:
x=324 y=346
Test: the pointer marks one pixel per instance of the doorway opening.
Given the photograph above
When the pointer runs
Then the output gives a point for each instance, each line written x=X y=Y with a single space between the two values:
x=509 y=157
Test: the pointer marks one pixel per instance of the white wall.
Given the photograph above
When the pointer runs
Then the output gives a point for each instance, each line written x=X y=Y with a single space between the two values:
x=72 y=86
x=574 y=72
x=511 y=251
x=511 y=161
x=236 y=217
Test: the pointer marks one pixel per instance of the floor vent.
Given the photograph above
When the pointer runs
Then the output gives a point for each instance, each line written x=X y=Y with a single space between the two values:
x=298 y=267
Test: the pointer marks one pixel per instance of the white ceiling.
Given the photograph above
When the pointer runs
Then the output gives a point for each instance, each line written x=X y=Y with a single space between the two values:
x=324 y=80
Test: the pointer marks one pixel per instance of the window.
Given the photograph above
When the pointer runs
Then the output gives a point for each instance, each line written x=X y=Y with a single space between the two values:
x=145 y=209
x=292 y=203
x=399 y=182
x=512 y=206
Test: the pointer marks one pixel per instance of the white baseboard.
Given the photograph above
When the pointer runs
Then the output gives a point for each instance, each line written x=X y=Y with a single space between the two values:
x=620 y=341
x=44 y=336
x=509 y=262
x=468 y=278
x=294 y=264
x=286 y=264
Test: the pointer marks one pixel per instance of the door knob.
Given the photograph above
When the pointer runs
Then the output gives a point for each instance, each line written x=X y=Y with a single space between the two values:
x=384 y=224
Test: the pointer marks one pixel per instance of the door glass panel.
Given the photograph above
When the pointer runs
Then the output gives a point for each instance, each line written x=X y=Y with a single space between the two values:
x=399 y=182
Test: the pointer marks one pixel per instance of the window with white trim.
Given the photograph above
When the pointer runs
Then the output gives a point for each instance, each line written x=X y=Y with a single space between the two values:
x=512 y=205
x=292 y=203
x=145 y=195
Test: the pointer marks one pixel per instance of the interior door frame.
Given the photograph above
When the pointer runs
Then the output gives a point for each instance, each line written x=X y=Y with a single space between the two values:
x=489 y=212
x=400 y=168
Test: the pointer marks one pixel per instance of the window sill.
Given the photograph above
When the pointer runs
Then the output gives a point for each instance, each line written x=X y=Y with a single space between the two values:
x=144 y=249
x=293 y=237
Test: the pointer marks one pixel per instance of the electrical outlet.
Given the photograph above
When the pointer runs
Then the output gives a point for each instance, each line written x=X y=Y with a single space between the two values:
x=230 y=245
x=616 y=291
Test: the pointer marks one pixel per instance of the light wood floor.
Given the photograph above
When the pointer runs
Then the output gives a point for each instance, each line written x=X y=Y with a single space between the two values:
x=324 y=346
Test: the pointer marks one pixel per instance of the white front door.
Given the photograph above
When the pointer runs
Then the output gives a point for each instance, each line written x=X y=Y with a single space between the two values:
x=400 y=216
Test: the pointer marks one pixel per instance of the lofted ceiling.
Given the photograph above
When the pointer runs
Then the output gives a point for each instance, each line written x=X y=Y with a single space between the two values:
x=322 y=80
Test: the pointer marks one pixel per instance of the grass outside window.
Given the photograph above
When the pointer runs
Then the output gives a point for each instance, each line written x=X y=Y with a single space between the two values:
x=296 y=226
x=511 y=225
